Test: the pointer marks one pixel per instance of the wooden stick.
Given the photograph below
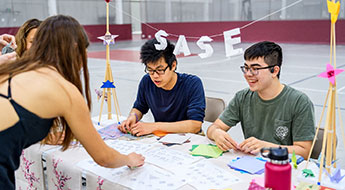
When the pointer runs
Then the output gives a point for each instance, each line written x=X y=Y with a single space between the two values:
x=334 y=47
x=317 y=129
x=109 y=103
x=324 y=139
x=334 y=136
x=116 y=105
x=341 y=121
x=107 y=17
x=102 y=101
x=330 y=131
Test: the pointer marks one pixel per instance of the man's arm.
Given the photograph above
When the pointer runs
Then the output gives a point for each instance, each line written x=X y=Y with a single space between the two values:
x=253 y=145
x=218 y=132
x=186 y=126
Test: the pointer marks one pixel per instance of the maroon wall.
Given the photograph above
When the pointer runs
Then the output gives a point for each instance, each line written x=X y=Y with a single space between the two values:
x=10 y=30
x=304 y=31
x=123 y=30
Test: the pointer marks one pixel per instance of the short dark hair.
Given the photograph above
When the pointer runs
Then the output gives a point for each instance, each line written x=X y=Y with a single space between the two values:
x=270 y=51
x=149 y=53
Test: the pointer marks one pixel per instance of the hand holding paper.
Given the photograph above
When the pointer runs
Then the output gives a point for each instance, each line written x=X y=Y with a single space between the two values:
x=252 y=145
x=141 y=128
x=224 y=141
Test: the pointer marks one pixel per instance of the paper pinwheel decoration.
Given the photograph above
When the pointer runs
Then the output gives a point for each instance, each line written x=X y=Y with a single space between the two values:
x=330 y=73
x=333 y=9
x=108 y=84
x=336 y=176
x=108 y=39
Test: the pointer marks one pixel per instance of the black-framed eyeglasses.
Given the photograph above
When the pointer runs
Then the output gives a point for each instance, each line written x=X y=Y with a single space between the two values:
x=254 y=70
x=158 y=71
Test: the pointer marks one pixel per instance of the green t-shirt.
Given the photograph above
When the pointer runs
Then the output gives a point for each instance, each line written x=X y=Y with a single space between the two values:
x=287 y=118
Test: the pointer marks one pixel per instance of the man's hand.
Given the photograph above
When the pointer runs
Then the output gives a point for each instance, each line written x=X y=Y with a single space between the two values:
x=141 y=128
x=6 y=39
x=253 y=145
x=127 y=125
x=223 y=140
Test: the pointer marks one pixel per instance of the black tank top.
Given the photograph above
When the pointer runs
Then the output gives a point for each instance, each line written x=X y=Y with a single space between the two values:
x=28 y=130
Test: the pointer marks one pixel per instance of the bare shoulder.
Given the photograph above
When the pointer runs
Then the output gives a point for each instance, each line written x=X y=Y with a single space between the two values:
x=45 y=80
x=44 y=86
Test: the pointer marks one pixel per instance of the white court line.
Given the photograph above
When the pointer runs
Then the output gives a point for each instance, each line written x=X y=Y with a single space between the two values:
x=222 y=80
x=296 y=74
x=311 y=55
x=226 y=61
x=302 y=67
x=340 y=89
x=313 y=90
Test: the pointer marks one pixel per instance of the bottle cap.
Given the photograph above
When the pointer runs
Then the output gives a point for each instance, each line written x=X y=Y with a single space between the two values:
x=279 y=154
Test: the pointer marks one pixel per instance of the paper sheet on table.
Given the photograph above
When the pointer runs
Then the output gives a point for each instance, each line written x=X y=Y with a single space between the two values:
x=110 y=132
x=168 y=158
x=248 y=164
x=206 y=175
x=207 y=150
x=126 y=147
x=175 y=138
x=145 y=177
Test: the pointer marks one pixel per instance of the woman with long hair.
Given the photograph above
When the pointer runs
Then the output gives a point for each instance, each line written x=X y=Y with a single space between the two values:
x=24 y=38
x=25 y=35
x=45 y=86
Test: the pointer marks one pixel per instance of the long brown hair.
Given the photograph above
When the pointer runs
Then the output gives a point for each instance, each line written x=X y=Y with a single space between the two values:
x=23 y=33
x=60 y=42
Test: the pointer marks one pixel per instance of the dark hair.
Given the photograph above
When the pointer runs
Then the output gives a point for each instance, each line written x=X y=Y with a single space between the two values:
x=149 y=53
x=60 y=42
x=270 y=51
x=23 y=32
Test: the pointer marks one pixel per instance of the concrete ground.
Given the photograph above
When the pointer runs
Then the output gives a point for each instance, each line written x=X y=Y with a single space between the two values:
x=222 y=77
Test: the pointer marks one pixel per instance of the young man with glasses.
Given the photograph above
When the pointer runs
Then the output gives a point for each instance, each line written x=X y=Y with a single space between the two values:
x=272 y=114
x=176 y=100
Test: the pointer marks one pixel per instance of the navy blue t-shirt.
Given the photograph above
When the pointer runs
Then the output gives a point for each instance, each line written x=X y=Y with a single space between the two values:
x=185 y=101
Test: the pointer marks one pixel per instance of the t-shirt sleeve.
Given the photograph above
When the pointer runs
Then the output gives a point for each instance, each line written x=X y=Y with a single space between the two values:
x=141 y=103
x=231 y=114
x=196 y=104
x=303 y=124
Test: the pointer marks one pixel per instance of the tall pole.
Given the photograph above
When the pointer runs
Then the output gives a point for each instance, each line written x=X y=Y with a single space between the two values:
x=109 y=88
x=330 y=125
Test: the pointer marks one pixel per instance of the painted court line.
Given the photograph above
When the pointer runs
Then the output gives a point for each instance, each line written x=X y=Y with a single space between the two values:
x=312 y=76
x=341 y=89
x=222 y=80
